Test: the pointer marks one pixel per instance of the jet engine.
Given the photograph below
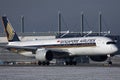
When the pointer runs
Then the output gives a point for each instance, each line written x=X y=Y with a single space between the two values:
x=99 y=58
x=44 y=55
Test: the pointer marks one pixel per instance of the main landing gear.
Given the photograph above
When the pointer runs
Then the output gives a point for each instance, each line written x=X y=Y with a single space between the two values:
x=109 y=60
x=71 y=61
x=43 y=63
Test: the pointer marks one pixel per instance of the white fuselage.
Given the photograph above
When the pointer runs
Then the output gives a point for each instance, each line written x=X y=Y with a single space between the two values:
x=74 y=46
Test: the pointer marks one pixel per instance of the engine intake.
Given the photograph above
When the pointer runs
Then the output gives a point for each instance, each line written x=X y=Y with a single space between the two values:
x=44 y=55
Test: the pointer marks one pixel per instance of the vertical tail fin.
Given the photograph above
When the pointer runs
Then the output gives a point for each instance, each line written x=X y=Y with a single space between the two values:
x=11 y=34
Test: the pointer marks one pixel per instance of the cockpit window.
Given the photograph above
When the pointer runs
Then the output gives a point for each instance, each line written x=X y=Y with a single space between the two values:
x=111 y=43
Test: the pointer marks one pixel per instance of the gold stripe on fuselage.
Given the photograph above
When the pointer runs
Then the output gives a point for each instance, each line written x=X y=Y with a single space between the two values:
x=69 y=46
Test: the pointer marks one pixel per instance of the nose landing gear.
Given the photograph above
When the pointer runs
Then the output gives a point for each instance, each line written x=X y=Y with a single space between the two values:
x=109 y=60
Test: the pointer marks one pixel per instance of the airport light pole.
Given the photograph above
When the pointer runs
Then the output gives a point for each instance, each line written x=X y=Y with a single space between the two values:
x=82 y=23
x=100 y=23
x=22 y=24
x=59 y=23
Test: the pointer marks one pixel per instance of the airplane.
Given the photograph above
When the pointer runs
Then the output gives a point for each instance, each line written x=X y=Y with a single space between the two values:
x=98 y=48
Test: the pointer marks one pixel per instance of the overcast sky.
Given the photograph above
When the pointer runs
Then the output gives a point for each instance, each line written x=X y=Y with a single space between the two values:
x=42 y=15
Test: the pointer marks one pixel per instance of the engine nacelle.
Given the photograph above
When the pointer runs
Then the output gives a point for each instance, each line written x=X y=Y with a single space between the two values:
x=99 y=58
x=44 y=55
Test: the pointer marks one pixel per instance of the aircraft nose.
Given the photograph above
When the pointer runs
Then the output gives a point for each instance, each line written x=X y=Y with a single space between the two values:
x=114 y=49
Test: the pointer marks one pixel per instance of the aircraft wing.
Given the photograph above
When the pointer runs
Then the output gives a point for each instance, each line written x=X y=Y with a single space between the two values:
x=58 y=53
x=18 y=48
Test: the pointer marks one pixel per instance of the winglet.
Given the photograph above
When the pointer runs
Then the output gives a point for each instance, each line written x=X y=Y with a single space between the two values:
x=11 y=34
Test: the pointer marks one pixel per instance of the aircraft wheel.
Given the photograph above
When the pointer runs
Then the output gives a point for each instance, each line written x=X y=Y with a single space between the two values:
x=67 y=63
x=74 y=63
x=48 y=63
x=43 y=63
x=110 y=62
x=71 y=63
x=39 y=63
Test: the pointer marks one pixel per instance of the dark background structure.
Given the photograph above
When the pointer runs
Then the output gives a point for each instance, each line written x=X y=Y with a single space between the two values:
x=42 y=15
